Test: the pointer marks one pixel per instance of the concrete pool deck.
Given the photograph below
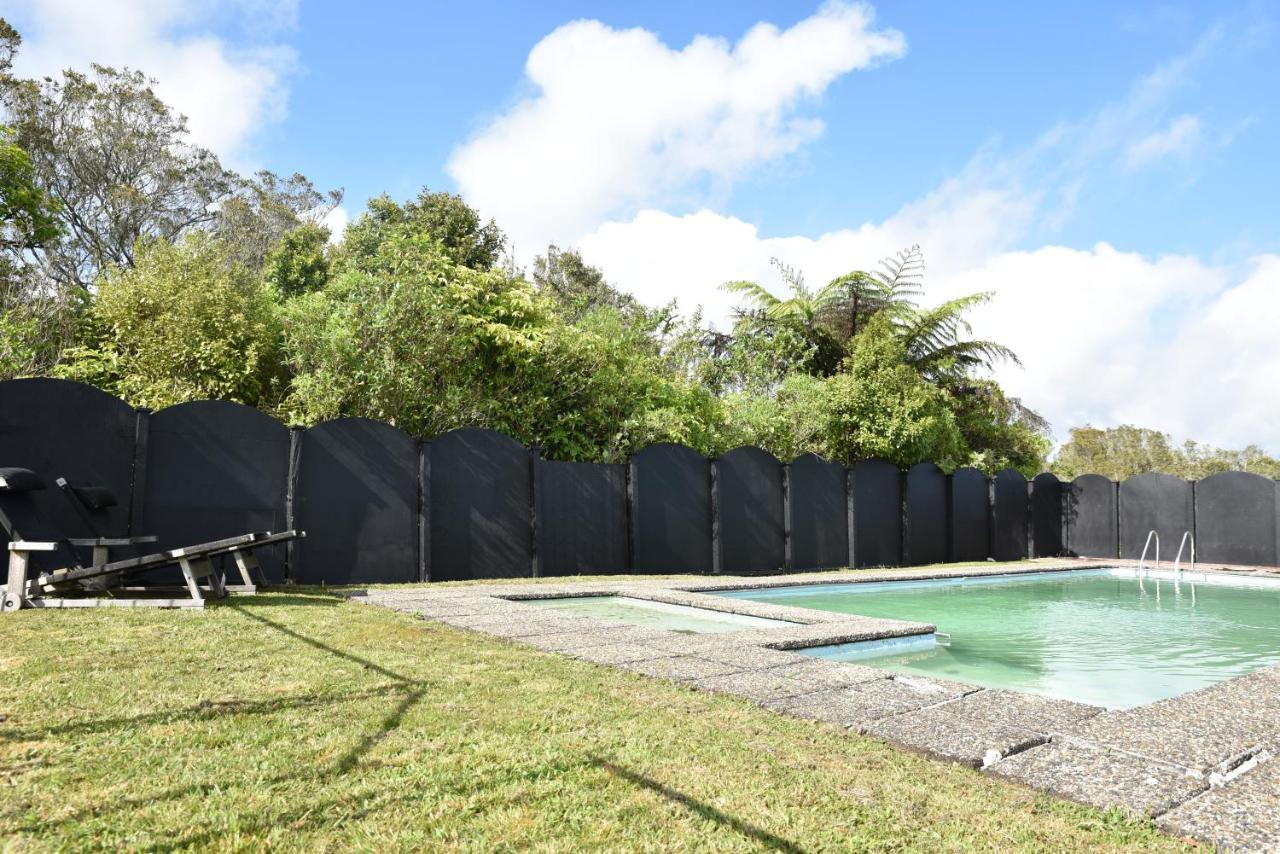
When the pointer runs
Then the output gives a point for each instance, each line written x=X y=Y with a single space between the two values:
x=1202 y=764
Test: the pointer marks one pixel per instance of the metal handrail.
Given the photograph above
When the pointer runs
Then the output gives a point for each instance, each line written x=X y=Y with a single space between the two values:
x=1186 y=536
x=1146 y=546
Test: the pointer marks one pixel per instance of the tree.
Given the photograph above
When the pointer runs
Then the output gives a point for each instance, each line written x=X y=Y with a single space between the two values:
x=32 y=323
x=185 y=322
x=447 y=218
x=878 y=406
x=298 y=263
x=1124 y=451
x=267 y=208
x=577 y=287
x=115 y=159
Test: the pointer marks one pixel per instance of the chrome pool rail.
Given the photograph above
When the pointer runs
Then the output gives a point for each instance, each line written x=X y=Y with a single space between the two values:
x=1186 y=537
x=1147 y=545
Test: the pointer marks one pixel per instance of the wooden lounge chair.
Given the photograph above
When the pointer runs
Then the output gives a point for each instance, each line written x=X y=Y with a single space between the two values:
x=34 y=545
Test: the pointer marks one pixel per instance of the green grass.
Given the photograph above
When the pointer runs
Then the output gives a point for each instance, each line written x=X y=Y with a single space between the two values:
x=301 y=722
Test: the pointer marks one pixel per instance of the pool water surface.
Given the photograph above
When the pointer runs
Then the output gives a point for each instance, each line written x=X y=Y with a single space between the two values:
x=1104 y=637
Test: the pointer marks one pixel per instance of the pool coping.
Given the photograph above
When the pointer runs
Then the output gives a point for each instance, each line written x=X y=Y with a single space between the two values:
x=1200 y=764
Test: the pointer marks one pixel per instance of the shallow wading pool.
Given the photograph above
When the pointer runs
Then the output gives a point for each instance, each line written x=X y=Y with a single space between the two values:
x=658 y=615
x=1105 y=637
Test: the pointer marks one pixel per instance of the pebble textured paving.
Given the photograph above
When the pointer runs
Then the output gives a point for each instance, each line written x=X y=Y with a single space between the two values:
x=1204 y=765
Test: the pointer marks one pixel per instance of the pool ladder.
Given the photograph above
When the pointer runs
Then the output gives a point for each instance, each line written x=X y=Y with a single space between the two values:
x=1151 y=535
x=1186 y=538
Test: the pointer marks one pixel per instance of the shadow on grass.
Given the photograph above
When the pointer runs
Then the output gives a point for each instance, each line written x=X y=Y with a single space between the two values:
x=760 y=835
x=342 y=765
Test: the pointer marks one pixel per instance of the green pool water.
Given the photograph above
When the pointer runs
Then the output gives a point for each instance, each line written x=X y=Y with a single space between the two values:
x=1100 y=637
x=658 y=615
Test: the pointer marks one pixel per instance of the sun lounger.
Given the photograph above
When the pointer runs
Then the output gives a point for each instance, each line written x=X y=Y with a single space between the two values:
x=34 y=545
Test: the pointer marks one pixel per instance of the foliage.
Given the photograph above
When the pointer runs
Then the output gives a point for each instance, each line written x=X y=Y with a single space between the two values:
x=298 y=262
x=28 y=217
x=445 y=217
x=139 y=264
x=880 y=407
x=114 y=158
x=1121 y=452
x=577 y=287
x=186 y=322
x=268 y=209
x=405 y=334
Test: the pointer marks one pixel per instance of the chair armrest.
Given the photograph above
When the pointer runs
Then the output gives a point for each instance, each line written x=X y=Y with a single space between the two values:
x=29 y=546
x=108 y=541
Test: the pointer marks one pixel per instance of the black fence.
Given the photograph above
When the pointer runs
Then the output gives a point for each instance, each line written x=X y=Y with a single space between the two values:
x=379 y=505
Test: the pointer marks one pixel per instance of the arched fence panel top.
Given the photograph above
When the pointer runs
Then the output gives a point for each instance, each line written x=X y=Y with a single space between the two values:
x=1046 y=515
x=1237 y=519
x=63 y=429
x=819 y=513
x=480 y=494
x=758 y=456
x=809 y=458
x=926 y=468
x=1090 y=517
x=356 y=496
x=668 y=451
x=215 y=469
x=1154 y=502
x=925 y=536
x=482 y=438
x=1010 y=476
x=671 y=510
x=750 y=502
x=877 y=519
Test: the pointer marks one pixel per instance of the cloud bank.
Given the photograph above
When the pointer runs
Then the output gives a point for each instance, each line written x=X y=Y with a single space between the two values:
x=227 y=92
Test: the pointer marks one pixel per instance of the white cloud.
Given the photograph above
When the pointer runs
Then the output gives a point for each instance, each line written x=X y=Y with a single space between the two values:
x=1179 y=138
x=227 y=92
x=617 y=120
x=1106 y=336
x=336 y=221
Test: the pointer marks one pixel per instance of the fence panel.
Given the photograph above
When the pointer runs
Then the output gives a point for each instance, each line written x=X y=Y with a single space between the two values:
x=1091 y=517
x=216 y=469
x=925 y=535
x=750 y=506
x=671 y=510
x=970 y=515
x=877 y=514
x=1009 y=516
x=59 y=428
x=582 y=513
x=1236 y=519
x=1153 y=502
x=479 y=506
x=356 y=496
x=819 y=514
x=1046 y=515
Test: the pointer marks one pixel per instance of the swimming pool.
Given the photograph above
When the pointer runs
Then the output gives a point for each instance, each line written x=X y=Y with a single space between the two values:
x=658 y=615
x=1105 y=637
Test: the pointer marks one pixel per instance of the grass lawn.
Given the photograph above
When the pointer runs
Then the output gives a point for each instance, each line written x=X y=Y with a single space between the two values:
x=304 y=722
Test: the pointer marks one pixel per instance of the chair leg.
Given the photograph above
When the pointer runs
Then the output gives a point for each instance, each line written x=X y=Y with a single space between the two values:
x=15 y=593
x=192 y=580
x=216 y=583
x=248 y=563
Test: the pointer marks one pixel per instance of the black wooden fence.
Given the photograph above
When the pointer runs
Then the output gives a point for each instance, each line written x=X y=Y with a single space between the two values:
x=379 y=505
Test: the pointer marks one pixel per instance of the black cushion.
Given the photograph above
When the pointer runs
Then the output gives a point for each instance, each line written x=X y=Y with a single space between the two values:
x=20 y=480
x=95 y=497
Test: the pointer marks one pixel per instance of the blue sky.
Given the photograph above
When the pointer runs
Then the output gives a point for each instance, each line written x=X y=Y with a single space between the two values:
x=1110 y=170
